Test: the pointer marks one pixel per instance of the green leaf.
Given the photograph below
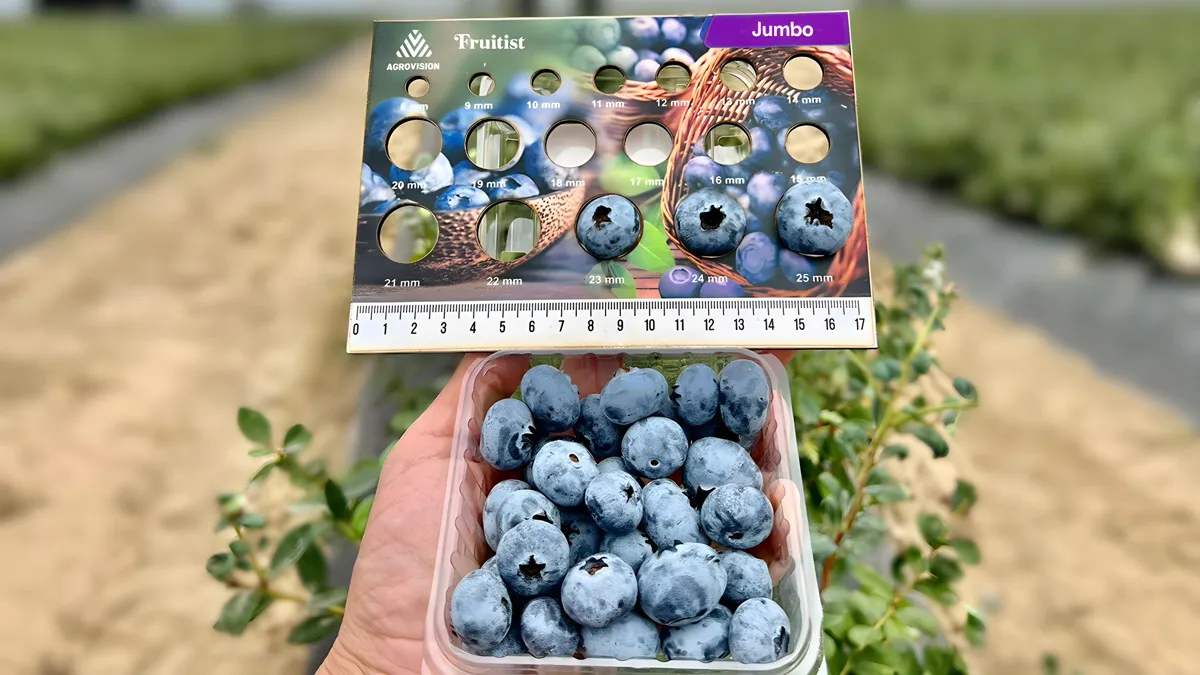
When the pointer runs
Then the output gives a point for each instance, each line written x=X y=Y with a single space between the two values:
x=254 y=426
x=239 y=548
x=252 y=521
x=964 y=497
x=937 y=590
x=313 y=629
x=885 y=369
x=922 y=362
x=862 y=667
x=933 y=530
x=220 y=566
x=330 y=597
x=404 y=419
x=920 y=619
x=653 y=253
x=240 y=610
x=897 y=451
x=967 y=550
x=871 y=581
x=887 y=494
x=313 y=571
x=1050 y=665
x=931 y=438
x=335 y=499
x=262 y=473
x=822 y=546
x=614 y=278
x=867 y=608
x=261 y=452
x=975 y=628
x=945 y=567
x=362 y=512
x=360 y=479
x=912 y=559
x=838 y=623
x=290 y=548
x=296 y=439
x=861 y=636
x=964 y=388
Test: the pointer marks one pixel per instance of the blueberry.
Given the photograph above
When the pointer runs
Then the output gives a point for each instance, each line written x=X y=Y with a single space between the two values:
x=702 y=172
x=460 y=197
x=562 y=471
x=757 y=258
x=506 y=441
x=432 y=178
x=623 y=57
x=681 y=584
x=480 y=609
x=706 y=430
x=633 y=547
x=466 y=173
x=713 y=462
x=772 y=112
x=694 y=43
x=633 y=395
x=551 y=397
x=738 y=171
x=547 y=174
x=490 y=564
x=673 y=32
x=667 y=410
x=583 y=536
x=603 y=34
x=680 y=282
x=380 y=208
x=744 y=393
x=599 y=590
x=512 y=186
x=455 y=125
x=737 y=516
x=596 y=432
x=642 y=31
x=669 y=516
x=765 y=190
x=645 y=70
x=797 y=269
x=759 y=632
x=511 y=645
x=747 y=576
x=709 y=222
x=647 y=55
x=764 y=225
x=612 y=464
x=587 y=58
x=655 y=447
x=546 y=630
x=722 y=289
x=526 y=130
x=615 y=502
x=533 y=557
x=678 y=55
x=373 y=188
x=381 y=121
x=491 y=508
x=629 y=637
x=609 y=226
x=522 y=505
x=815 y=218
x=763 y=149
x=706 y=640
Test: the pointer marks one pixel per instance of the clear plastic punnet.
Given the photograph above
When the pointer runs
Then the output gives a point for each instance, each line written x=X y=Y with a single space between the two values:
x=462 y=548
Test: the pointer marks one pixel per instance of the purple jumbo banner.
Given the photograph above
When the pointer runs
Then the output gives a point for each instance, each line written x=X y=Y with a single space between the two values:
x=778 y=30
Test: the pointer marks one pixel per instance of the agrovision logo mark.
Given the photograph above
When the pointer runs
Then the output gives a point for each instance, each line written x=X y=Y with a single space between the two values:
x=414 y=47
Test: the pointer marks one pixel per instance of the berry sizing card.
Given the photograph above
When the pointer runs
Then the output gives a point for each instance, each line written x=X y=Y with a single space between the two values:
x=604 y=183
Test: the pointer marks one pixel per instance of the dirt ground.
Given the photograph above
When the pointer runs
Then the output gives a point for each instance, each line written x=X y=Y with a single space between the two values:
x=130 y=339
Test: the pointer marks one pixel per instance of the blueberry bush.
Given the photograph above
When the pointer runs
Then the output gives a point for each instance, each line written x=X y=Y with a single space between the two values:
x=857 y=413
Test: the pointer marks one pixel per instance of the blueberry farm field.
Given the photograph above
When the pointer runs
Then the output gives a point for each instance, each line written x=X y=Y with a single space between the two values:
x=112 y=447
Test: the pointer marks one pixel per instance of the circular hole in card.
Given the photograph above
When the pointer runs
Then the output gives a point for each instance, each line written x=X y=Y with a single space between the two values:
x=803 y=72
x=414 y=143
x=738 y=75
x=673 y=77
x=570 y=144
x=481 y=84
x=493 y=144
x=609 y=79
x=648 y=144
x=545 y=82
x=416 y=87
x=727 y=143
x=508 y=230
x=807 y=143
x=408 y=233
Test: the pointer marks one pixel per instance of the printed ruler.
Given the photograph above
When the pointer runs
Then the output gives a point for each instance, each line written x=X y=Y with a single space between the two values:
x=761 y=323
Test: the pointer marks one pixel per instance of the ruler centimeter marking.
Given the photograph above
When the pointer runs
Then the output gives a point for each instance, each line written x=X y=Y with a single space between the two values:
x=787 y=323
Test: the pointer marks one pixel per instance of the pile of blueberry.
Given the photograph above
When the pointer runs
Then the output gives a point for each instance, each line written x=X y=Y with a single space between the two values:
x=599 y=552
x=638 y=46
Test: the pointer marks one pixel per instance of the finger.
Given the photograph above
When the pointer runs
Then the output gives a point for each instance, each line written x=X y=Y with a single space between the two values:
x=590 y=372
x=784 y=355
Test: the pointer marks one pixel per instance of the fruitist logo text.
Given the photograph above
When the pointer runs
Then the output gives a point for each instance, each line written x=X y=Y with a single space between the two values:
x=465 y=41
